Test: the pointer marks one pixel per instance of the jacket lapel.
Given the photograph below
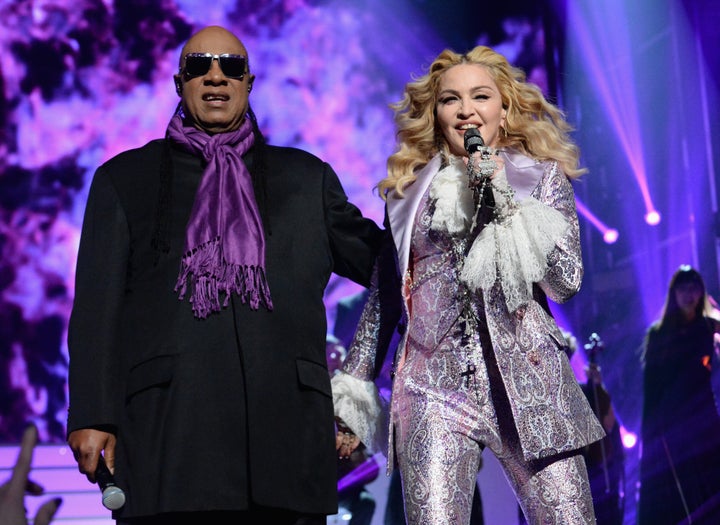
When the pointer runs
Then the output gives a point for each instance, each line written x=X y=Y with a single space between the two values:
x=401 y=211
x=523 y=173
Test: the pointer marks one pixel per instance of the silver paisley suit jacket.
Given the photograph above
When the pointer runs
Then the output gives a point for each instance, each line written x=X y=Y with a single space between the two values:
x=551 y=413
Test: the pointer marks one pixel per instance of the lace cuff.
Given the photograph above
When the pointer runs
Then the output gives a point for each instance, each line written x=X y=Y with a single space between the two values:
x=361 y=408
x=514 y=249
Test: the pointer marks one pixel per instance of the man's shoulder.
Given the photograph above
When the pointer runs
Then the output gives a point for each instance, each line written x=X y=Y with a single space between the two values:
x=294 y=156
x=136 y=156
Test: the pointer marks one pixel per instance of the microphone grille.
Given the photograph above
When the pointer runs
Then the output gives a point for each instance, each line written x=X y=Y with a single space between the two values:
x=113 y=498
x=473 y=140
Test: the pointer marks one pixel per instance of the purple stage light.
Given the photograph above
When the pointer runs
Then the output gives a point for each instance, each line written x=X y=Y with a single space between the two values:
x=629 y=439
x=609 y=63
x=611 y=236
x=652 y=217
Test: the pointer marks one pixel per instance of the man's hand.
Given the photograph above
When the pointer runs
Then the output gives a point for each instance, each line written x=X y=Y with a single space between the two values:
x=87 y=444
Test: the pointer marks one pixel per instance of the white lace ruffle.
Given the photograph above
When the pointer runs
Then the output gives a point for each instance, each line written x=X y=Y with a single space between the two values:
x=359 y=405
x=454 y=205
x=515 y=250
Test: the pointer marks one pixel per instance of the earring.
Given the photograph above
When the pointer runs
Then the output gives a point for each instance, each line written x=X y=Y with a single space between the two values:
x=504 y=131
x=178 y=87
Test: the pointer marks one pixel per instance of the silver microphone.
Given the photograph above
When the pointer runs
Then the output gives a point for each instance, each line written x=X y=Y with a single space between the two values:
x=113 y=496
x=479 y=173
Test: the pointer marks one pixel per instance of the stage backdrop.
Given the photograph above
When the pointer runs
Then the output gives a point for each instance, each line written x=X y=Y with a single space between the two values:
x=87 y=79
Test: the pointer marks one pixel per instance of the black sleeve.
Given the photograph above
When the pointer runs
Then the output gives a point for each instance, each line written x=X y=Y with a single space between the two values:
x=354 y=239
x=390 y=296
x=93 y=329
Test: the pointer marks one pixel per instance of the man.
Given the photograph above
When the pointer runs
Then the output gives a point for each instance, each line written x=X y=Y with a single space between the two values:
x=197 y=336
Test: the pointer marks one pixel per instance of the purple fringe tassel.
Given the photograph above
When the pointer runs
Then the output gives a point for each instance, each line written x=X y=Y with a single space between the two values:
x=207 y=274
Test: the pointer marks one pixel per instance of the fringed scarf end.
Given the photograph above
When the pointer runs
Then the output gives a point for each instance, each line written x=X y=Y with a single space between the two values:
x=250 y=284
x=206 y=274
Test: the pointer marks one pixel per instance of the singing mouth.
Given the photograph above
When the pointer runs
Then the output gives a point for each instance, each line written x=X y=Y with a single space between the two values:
x=214 y=97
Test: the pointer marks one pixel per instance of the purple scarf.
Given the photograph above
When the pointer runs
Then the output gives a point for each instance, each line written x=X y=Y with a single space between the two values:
x=224 y=240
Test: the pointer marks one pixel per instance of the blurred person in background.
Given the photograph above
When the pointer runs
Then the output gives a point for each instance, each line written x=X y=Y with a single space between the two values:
x=680 y=455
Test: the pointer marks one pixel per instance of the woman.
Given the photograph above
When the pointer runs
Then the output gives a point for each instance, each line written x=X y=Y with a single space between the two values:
x=680 y=462
x=481 y=361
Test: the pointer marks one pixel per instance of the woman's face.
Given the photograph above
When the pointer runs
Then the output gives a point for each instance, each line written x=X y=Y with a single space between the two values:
x=469 y=98
x=688 y=296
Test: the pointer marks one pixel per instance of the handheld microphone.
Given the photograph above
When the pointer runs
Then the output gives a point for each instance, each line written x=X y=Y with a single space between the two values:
x=473 y=140
x=474 y=143
x=479 y=174
x=113 y=496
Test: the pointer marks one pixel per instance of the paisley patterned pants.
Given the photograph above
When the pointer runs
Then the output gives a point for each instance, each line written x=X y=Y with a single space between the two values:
x=444 y=419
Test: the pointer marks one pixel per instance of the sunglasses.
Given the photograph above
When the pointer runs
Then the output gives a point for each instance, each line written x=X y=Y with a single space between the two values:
x=199 y=64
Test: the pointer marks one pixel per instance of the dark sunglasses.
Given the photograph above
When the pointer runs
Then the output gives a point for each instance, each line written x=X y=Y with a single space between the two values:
x=199 y=64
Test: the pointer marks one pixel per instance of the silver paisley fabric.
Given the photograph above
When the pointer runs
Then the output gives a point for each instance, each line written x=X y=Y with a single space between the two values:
x=521 y=400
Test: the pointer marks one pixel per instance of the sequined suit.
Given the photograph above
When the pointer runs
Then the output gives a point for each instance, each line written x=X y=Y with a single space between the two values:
x=471 y=374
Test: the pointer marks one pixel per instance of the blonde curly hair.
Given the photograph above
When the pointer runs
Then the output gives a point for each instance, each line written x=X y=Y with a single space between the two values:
x=533 y=125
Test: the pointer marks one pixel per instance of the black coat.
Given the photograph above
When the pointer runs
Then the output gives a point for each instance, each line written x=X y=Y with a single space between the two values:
x=680 y=460
x=211 y=414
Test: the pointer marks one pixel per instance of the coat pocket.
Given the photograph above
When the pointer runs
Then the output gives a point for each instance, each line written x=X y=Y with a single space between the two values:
x=314 y=375
x=157 y=371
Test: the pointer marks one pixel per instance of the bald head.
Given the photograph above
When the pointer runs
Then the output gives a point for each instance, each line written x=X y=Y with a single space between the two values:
x=210 y=34
x=212 y=100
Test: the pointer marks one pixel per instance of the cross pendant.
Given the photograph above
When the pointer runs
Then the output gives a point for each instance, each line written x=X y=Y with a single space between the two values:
x=470 y=370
